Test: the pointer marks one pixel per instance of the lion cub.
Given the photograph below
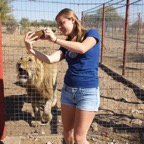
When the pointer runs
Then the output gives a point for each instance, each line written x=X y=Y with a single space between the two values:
x=40 y=80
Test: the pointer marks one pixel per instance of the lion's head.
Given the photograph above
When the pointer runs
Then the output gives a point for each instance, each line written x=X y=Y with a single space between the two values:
x=29 y=69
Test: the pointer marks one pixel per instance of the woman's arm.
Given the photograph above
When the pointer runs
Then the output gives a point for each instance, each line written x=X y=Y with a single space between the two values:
x=78 y=47
x=55 y=57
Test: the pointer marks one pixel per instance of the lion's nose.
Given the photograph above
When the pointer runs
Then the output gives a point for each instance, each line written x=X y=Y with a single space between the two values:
x=18 y=65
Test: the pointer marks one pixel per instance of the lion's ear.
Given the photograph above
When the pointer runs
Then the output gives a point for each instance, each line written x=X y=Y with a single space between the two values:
x=28 y=53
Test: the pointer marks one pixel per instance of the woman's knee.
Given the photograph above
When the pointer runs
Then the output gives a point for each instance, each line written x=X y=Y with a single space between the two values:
x=68 y=133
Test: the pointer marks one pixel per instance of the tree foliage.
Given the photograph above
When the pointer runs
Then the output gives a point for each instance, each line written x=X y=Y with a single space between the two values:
x=5 y=10
x=6 y=17
x=11 y=24
x=43 y=23
x=25 y=22
x=112 y=18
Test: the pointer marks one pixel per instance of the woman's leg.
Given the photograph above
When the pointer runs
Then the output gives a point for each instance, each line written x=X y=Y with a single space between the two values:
x=68 y=117
x=83 y=120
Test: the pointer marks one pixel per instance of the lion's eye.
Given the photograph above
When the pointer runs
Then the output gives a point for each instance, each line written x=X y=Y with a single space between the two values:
x=30 y=59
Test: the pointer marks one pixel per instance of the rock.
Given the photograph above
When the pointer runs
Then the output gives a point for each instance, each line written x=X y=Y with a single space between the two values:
x=136 y=122
x=48 y=143
x=94 y=126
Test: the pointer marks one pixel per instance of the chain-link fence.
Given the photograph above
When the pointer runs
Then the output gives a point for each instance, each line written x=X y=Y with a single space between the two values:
x=121 y=72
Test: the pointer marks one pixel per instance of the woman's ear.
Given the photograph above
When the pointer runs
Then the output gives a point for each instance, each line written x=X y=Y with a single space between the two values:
x=72 y=19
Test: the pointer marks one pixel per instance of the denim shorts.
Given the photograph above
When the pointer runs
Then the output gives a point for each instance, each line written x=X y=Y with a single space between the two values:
x=87 y=99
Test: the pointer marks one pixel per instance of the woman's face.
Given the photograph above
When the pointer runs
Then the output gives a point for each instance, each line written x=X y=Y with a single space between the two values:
x=65 y=25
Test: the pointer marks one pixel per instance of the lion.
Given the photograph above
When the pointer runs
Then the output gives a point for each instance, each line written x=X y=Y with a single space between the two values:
x=40 y=80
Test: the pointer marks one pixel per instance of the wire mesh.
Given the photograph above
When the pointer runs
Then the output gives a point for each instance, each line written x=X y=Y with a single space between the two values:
x=121 y=115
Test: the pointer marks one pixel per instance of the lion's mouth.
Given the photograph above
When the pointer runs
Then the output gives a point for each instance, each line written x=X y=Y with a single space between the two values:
x=23 y=74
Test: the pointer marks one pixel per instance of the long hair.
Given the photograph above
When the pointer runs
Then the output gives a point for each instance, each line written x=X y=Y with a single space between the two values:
x=78 y=29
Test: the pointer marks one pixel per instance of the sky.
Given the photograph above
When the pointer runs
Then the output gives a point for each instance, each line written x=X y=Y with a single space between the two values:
x=48 y=9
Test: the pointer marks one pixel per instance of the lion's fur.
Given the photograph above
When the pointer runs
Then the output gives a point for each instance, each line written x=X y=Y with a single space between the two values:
x=39 y=78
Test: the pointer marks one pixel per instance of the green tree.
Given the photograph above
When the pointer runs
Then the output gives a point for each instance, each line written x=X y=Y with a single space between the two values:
x=25 y=23
x=6 y=17
x=112 y=18
x=35 y=23
x=11 y=24
x=44 y=23
x=5 y=10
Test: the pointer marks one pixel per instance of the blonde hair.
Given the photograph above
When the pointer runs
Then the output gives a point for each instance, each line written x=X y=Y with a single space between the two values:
x=78 y=29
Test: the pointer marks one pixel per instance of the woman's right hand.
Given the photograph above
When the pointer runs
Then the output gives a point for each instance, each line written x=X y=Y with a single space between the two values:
x=29 y=40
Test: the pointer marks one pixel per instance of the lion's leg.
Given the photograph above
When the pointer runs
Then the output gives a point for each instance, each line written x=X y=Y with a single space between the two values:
x=54 y=90
x=47 y=116
x=36 y=111
x=54 y=98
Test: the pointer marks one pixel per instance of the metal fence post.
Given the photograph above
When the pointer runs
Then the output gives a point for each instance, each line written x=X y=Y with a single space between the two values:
x=125 y=36
x=103 y=32
x=2 y=120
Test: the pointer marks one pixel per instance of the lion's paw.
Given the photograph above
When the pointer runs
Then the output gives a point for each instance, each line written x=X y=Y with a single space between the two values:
x=46 y=118
x=35 y=123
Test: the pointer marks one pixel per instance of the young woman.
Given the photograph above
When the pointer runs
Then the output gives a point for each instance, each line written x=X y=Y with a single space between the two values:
x=80 y=97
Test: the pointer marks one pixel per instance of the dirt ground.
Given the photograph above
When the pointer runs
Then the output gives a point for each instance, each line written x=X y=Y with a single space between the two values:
x=120 y=119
